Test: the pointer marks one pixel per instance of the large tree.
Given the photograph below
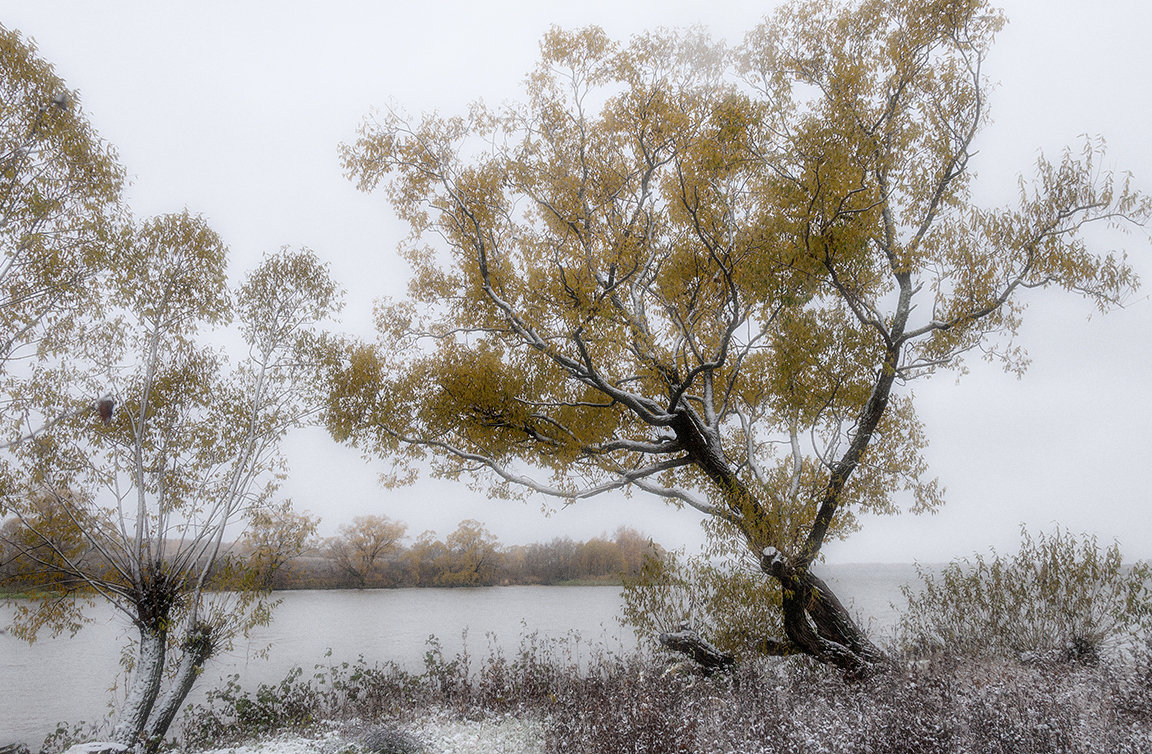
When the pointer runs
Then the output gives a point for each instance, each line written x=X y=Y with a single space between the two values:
x=706 y=274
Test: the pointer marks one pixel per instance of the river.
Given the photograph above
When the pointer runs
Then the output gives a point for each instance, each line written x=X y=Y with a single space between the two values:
x=67 y=678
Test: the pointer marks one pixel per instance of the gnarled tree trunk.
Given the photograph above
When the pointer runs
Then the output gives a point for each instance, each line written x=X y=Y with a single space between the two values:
x=817 y=623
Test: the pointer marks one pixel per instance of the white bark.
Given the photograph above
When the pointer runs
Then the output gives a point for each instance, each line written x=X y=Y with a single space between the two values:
x=192 y=660
x=146 y=680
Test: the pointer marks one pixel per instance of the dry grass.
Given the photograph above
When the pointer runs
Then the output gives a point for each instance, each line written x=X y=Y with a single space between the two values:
x=610 y=704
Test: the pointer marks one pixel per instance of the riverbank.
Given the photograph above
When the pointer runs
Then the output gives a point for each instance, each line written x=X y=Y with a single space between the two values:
x=538 y=705
x=541 y=700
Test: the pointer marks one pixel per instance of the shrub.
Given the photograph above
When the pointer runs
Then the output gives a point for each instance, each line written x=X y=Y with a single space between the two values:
x=726 y=600
x=231 y=715
x=1059 y=597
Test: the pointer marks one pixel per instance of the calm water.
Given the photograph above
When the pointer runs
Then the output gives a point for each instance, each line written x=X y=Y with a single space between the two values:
x=67 y=679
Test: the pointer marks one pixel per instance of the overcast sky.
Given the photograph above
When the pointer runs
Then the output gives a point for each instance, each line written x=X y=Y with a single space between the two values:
x=235 y=110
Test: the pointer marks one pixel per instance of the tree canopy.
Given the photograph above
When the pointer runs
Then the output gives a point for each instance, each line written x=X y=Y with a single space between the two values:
x=61 y=226
x=704 y=273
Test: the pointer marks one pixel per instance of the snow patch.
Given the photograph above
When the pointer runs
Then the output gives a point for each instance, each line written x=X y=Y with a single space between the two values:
x=438 y=734
x=98 y=747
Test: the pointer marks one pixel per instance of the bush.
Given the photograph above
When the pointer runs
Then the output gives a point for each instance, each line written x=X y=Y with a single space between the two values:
x=1058 y=597
x=232 y=715
x=728 y=601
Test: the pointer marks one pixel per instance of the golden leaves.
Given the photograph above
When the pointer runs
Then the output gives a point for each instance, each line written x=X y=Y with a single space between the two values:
x=290 y=291
x=173 y=274
x=582 y=51
x=60 y=215
x=674 y=259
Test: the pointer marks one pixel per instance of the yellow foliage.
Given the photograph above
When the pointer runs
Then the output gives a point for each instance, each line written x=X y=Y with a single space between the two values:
x=707 y=273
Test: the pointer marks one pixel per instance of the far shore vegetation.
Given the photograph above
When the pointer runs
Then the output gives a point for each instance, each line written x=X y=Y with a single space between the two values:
x=371 y=553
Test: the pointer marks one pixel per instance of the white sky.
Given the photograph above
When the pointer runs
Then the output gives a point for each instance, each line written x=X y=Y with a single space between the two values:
x=235 y=110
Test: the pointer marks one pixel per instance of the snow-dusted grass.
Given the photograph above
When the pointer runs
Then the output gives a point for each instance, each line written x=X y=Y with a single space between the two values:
x=441 y=734
x=542 y=702
x=545 y=702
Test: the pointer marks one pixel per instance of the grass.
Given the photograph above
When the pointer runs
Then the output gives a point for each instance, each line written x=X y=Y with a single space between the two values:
x=636 y=702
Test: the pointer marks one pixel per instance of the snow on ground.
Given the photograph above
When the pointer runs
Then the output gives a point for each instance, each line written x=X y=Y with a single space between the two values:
x=496 y=735
x=437 y=734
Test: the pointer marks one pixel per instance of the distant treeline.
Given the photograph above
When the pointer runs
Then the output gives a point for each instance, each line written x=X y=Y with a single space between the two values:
x=282 y=552
x=469 y=556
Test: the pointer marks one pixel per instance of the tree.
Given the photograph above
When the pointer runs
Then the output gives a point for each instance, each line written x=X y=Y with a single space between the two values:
x=136 y=510
x=707 y=275
x=129 y=448
x=423 y=559
x=600 y=558
x=361 y=544
x=553 y=562
x=470 y=557
x=635 y=549
x=60 y=230
x=275 y=535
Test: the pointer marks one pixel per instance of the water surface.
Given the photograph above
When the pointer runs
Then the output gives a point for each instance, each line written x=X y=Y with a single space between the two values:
x=68 y=678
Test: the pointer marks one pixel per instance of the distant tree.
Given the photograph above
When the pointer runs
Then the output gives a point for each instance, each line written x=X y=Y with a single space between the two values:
x=471 y=557
x=635 y=549
x=515 y=566
x=600 y=558
x=553 y=562
x=32 y=556
x=136 y=510
x=275 y=535
x=360 y=546
x=423 y=559
x=706 y=274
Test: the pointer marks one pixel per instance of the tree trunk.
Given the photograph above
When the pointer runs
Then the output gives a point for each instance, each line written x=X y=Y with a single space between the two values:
x=817 y=623
x=197 y=648
x=146 y=680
